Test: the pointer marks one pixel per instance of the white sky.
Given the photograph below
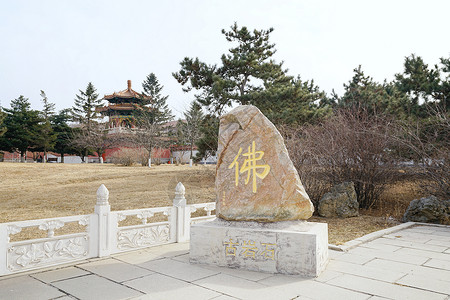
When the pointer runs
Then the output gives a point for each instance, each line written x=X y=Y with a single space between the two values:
x=59 y=46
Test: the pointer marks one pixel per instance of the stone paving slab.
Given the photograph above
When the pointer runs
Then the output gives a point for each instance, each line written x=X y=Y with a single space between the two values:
x=95 y=287
x=387 y=265
x=159 y=286
x=404 y=244
x=313 y=288
x=60 y=274
x=383 y=289
x=365 y=271
x=114 y=269
x=394 y=264
x=177 y=269
x=426 y=283
x=26 y=287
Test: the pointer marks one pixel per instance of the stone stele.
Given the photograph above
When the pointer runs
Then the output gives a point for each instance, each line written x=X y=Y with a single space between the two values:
x=255 y=178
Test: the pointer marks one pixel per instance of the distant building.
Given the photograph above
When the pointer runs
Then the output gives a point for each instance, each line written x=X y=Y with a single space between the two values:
x=121 y=106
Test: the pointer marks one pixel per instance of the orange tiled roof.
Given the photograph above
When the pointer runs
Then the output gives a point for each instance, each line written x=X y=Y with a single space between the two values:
x=128 y=93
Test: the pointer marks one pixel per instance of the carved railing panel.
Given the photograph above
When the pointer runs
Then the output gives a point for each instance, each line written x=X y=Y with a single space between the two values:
x=147 y=234
x=48 y=251
x=143 y=236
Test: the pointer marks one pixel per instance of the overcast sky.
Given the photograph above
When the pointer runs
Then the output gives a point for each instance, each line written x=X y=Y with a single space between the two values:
x=60 y=46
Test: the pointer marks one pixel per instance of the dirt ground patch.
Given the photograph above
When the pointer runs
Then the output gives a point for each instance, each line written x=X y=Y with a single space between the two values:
x=35 y=191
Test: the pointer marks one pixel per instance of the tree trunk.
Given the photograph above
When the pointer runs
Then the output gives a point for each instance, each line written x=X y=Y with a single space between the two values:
x=22 y=156
x=62 y=157
x=44 y=159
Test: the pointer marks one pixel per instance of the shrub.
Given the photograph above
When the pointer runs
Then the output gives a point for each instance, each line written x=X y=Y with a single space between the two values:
x=129 y=156
x=350 y=146
x=428 y=141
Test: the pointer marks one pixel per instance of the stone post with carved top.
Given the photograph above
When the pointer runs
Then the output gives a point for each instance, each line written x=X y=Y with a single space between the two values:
x=102 y=210
x=183 y=213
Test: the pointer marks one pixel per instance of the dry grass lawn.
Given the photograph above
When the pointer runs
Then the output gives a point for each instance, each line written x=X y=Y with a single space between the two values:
x=35 y=191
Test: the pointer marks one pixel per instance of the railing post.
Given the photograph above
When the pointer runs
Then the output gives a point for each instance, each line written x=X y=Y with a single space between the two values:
x=103 y=209
x=183 y=214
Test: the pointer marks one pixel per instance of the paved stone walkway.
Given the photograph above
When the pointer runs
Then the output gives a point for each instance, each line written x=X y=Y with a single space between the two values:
x=412 y=263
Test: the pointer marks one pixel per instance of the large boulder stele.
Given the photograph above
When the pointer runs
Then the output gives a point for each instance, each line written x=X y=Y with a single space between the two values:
x=340 y=202
x=428 y=210
x=255 y=178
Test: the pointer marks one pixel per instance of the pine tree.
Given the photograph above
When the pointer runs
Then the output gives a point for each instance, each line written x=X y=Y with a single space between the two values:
x=85 y=112
x=23 y=126
x=363 y=93
x=159 y=109
x=249 y=75
x=151 y=118
x=47 y=137
x=207 y=144
x=419 y=82
x=293 y=102
x=85 y=109
x=240 y=78
x=64 y=134
x=189 y=130
x=2 y=119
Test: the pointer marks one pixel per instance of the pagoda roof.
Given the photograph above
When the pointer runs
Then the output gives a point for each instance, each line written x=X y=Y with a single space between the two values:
x=121 y=106
x=126 y=95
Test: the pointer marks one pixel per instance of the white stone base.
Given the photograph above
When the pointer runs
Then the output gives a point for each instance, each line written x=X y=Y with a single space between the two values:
x=293 y=247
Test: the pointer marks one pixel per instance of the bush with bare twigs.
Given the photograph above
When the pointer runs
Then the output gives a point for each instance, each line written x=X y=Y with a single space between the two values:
x=129 y=156
x=350 y=146
x=428 y=142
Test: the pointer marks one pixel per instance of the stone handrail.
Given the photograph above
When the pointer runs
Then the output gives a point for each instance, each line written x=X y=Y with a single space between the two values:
x=102 y=234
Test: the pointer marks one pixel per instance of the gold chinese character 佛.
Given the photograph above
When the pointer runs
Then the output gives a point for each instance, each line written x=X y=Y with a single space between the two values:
x=250 y=166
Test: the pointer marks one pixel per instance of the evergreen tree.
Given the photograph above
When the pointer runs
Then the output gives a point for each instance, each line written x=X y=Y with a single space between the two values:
x=419 y=82
x=46 y=139
x=249 y=75
x=294 y=102
x=189 y=130
x=207 y=144
x=2 y=118
x=85 y=109
x=159 y=110
x=442 y=92
x=64 y=134
x=242 y=75
x=151 y=118
x=363 y=93
x=23 y=126
x=85 y=112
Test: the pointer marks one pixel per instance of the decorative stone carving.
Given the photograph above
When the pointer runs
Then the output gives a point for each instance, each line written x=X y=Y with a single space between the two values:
x=340 y=202
x=13 y=229
x=179 y=199
x=25 y=256
x=428 y=210
x=144 y=215
x=121 y=217
x=102 y=195
x=51 y=226
x=255 y=178
x=209 y=207
x=142 y=237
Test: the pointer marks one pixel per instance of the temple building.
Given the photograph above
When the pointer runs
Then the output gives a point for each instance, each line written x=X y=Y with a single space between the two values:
x=121 y=106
